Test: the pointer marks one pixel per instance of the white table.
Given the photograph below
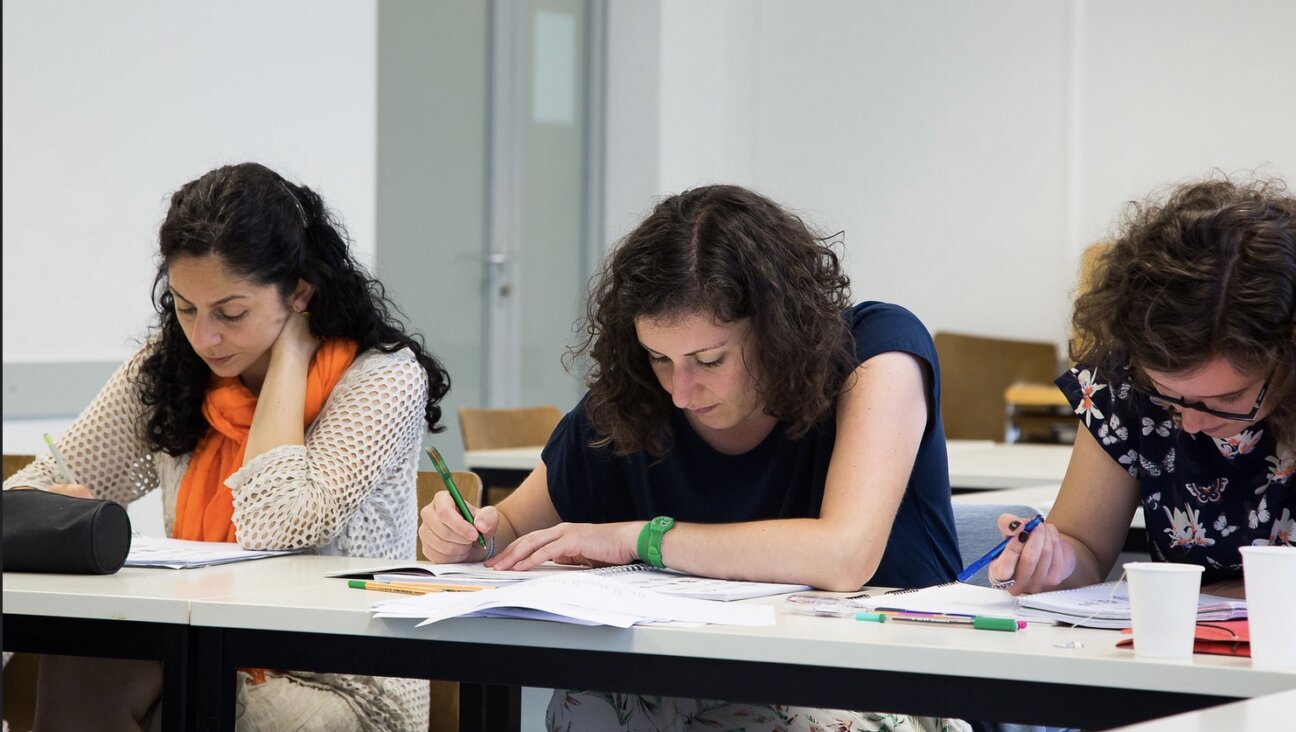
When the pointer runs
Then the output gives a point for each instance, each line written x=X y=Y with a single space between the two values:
x=973 y=464
x=136 y=613
x=1026 y=676
x=1041 y=497
x=981 y=465
x=283 y=613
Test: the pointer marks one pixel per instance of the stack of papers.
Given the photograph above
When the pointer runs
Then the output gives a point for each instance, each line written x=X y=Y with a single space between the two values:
x=585 y=598
x=1103 y=605
x=952 y=598
x=1107 y=605
x=637 y=575
x=152 y=551
x=468 y=573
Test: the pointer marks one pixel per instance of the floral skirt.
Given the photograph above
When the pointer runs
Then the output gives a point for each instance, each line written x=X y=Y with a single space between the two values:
x=579 y=711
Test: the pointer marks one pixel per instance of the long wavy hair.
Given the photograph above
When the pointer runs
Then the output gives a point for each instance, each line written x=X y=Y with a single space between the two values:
x=1209 y=271
x=272 y=232
x=732 y=253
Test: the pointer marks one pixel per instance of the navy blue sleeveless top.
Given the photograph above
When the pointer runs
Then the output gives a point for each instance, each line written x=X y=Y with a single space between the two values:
x=779 y=478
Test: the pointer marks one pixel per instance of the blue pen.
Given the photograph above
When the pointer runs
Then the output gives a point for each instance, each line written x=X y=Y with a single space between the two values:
x=993 y=554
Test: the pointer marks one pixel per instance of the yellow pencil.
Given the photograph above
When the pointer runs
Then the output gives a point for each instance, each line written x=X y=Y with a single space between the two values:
x=413 y=588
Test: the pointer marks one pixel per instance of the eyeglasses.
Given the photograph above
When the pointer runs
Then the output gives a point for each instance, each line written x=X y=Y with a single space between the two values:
x=1166 y=402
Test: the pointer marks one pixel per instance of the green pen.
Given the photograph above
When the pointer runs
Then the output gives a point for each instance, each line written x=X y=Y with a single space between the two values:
x=441 y=468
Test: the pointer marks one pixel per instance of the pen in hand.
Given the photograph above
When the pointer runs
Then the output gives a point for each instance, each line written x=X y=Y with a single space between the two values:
x=453 y=489
x=68 y=477
x=993 y=554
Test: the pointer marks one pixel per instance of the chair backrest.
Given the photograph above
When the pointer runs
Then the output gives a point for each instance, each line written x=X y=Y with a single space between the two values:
x=978 y=530
x=14 y=463
x=499 y=428
x=443 y=696
x=429 y=482
x=974 y=372
x=1089 y=260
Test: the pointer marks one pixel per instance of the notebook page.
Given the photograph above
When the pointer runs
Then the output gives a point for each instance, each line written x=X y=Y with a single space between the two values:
x=154 y=551
x=582 y=597
x=680 y=584
x=1107 y=605
x=954 y=598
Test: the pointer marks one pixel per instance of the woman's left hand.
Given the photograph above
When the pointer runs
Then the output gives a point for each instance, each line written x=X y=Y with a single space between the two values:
x=591 y=545
x=296 y=339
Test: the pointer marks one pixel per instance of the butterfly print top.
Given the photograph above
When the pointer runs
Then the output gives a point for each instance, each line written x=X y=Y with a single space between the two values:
x=1202 y=497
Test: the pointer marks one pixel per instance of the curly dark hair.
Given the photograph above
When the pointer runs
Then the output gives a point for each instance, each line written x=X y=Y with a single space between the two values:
x=271 y=232
x=735 y=254
x=1210 y=271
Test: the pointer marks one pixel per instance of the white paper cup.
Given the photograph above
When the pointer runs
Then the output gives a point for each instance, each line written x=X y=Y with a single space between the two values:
x=1163 y=606
x=1270 y=573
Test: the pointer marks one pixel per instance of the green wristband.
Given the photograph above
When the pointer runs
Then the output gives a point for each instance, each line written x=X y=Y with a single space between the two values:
x=650 y=539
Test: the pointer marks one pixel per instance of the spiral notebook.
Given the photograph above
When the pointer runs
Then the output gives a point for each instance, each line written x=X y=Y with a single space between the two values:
x=670 y=582
x=639 y=575
x=1107 y=605
x=1104 y=605
x=951 y=598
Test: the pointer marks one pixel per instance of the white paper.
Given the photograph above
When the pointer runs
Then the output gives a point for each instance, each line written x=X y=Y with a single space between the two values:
x=583 y=597
x=1107 y=605
x=153 y=551
x=954 y=598
x=643 y=576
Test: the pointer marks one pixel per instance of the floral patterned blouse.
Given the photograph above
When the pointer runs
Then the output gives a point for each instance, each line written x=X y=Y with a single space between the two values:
x=1203 y=497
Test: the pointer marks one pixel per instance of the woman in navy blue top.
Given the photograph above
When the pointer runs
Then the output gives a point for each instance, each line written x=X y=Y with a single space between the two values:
x=1184 y=389
x=741 y=422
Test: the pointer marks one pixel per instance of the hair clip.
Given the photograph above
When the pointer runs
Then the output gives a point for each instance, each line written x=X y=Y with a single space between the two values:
x=300 y=211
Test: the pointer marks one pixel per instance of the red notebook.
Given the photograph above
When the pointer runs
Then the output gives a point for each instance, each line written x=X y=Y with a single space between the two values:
x=1220 y=638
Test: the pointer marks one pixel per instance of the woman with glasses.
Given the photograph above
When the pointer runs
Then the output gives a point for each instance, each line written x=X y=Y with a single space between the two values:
x=1186 y=362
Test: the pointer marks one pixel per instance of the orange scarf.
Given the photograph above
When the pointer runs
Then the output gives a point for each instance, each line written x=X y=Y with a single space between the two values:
x=205 y=505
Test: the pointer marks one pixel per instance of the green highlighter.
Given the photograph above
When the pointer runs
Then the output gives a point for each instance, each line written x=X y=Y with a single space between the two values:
x=441 y=468
x=987 y=623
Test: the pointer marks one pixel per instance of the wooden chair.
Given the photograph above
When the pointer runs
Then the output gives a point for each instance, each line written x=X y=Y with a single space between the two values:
x=499 y=428
x=21 y=671
x=1038 y=412
x=1090 y=259
x=14 y=463
x=443 y=709
x=976 y=371
x=429 y=482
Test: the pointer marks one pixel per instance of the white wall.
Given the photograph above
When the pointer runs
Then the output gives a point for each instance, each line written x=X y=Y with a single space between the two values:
x=968 y=150
x=110 y=107
x=1172 y=90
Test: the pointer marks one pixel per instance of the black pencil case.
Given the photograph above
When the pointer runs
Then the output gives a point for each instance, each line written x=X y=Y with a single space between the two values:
x=51 y=532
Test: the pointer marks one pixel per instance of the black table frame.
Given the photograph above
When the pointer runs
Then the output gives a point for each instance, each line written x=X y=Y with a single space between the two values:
x=170 y=643
x=490 y=675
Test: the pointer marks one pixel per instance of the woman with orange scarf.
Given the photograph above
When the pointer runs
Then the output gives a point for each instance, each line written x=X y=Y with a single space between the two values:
x=279 y=404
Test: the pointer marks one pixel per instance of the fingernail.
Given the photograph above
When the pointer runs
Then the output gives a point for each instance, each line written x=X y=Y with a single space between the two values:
x=1023 y=536
x=1013 y=526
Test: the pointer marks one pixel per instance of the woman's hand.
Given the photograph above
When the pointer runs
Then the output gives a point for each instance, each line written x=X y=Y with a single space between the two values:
x=591 y=545
x=295 y=339
x=446 y=536
x=1040 y=562
x=281 y=396
x=76 y=490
